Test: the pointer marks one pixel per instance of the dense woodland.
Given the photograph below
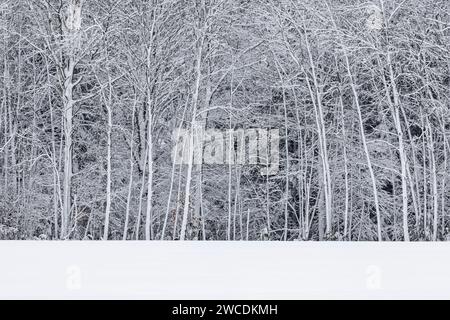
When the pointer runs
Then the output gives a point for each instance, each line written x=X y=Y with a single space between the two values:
x=92 y=91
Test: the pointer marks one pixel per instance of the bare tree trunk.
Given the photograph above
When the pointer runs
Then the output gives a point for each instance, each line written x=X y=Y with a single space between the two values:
x=424 y=169
x=444 y=175
x=5 y=102
x=150 y=105
x=395 y=108
x=172 y=178
x=434 y=186
x=71 y=28
x=108 y=103
x=366 y=149
x=148 y=218
x=141 y=195
x=316 y=97
x=56 y=181
x=346 y=171
x=130 y=179
x=198 y=72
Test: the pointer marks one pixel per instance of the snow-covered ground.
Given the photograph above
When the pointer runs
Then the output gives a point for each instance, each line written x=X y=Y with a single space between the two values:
x=224 y=270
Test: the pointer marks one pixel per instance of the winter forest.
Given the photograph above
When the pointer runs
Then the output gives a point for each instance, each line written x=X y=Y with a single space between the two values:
x=91 y=93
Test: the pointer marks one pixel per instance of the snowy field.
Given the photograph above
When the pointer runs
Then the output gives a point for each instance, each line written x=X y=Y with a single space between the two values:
x=224 y=270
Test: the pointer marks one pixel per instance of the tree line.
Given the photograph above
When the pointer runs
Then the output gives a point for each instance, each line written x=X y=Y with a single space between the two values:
x=91 y=93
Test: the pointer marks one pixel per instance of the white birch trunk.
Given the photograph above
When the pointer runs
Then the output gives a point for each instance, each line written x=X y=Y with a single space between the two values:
x=71 y=30
x=198 y=72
